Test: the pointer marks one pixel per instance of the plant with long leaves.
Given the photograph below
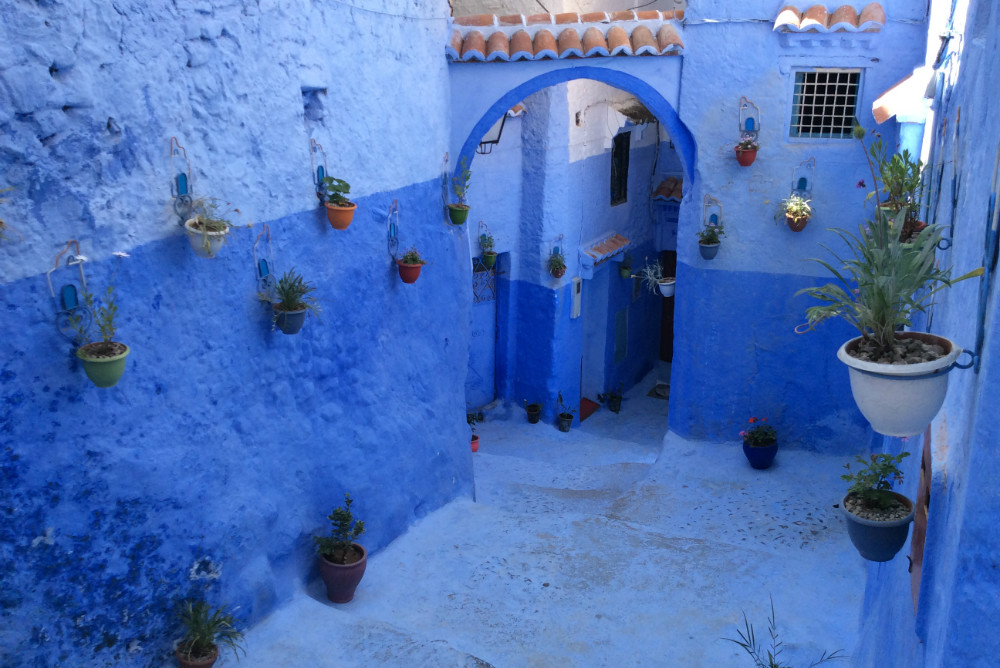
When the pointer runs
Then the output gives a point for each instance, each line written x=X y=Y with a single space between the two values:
x=206 y=629
x=748 y=641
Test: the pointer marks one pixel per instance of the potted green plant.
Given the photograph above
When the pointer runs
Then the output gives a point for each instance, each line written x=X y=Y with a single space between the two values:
x=796 y=211
x=566 y=414
x=104 y=360
x=533 y=410
x=769 y=658
x=458 y=211
x=653 y=278
x=613 y=398
x=625 y=268
x=557 y=264
x=208 y=227
x=409 y=265
x=487 y=242
x=746 y=150
x=760 y=443
x=342 y=561
x=472 y=419
x=881 y=283
x=709 y=241
x=898 y=185
x=205 y=630
x=878 y=519
x=291 y=300
x=339 y=209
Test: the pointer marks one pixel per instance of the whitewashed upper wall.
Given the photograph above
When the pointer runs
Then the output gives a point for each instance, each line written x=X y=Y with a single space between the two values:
x=91 y=92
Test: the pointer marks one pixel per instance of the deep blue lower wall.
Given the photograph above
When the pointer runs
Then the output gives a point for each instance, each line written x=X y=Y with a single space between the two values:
x=221 y=451
x=736 y=356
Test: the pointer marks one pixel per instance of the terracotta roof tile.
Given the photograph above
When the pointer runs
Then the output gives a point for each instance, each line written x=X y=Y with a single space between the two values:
x=668 y=39
x=521 y=47
x=618 y=41
x=454 y=48
x=872 y=18
x=670 y=188
x=475 y=20
x=788 y=17
x=569 y=44
x=604 y=248
x=545 y=45
x=594 y=43
x=474 y=46
x=538 y=19
x=844 y=18
x=569 y=17
x=814 y=17
x=643 y=42
x=623 y=16
x=649 y=15
x=497 y=47
x=511 y=20
x=594 y=17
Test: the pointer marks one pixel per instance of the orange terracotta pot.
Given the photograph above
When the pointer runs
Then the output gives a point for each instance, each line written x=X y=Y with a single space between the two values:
x=746 y=156
x=340 y=217
x=409 y=273
x=206 y=662
x=475 y=444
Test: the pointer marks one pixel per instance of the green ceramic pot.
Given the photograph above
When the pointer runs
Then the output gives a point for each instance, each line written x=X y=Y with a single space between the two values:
x=103 y=371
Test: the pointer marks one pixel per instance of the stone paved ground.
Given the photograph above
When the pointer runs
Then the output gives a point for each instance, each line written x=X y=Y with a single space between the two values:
x=612 y=545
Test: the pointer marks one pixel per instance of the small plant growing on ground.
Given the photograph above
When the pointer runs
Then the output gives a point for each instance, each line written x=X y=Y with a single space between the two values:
x=412 y=256
x=205 y=630
x=460 y=184
x=760 y=434
x=336 y=191
x=337 y=547
x=557 y=264
x=872 y=484
x=710 y=234
x=769 y=658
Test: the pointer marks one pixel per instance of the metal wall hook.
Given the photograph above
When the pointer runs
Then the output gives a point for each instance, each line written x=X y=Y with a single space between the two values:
x=181 y=185
x=973 y=360
x=264 y=266
x=321 y=172
x=69 y=307
x=712 y=212
x=749 y=118
x=392 y=229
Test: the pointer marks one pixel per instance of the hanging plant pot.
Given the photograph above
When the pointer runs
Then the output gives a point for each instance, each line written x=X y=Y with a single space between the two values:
x=626 y=272
x=877 y=540
x=458 y=213
x=342 y=580
x=408 y=273
x=796 y=224
x=475 y=443
x=559 y=272
x=204 y=243
x=745 y=156
x=900 y=399
x=666 y=286
x=289 y=322
x=340 y=217
x=489 y=259
x=565 y=421
x=534 y=412
x=103 y=361
x=760 y=457
x=205 y=662
x=708 y=251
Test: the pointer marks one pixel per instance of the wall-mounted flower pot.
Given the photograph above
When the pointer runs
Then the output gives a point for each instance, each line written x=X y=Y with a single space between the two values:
x=289 y=322
x=708 y=251
x=666 y=286
x=760 y=457
x=408 y=273
x=458 y=213
x=340 y=217
x=559 y=272
x=565 y=421
x=203 y=243
x=878 y=540
x=475 y=443
x=796 y=224
x=746 y=156
x=489 y=259
x=900 y=399
x=342 y=580
x=534 y=412
x=103 y=362
x=626 y=272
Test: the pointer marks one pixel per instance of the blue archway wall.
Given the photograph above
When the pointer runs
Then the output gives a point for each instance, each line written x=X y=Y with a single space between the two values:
x=539 y=355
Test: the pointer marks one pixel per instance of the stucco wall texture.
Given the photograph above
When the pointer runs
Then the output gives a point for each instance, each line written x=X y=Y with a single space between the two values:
x=221 y=451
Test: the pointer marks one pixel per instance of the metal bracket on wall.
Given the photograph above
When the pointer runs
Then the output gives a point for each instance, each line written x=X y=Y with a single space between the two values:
x=69 y=308
x=712 y=212
x=802 y=178
x=956 y=181
x=392 y=229
x=264 y=266
x=181 y=186
x=321 y=172
x=991 y=252
x=749 y=119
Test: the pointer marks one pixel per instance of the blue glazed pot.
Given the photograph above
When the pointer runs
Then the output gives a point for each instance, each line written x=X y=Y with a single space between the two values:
x=760 y=457
x=878 y=541
x=290 y=322
x=708 y=251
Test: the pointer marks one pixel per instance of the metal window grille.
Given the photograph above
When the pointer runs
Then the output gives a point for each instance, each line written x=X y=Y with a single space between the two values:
x=824 y=103
x=619 y=168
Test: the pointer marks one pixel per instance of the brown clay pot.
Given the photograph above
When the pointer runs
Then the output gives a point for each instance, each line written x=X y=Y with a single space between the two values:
x=558 y=273
x=746 y=156
x=340 y=217
x=207 y=662
x=475 y=443
x=342 y=579
x=796 y=224
x=409 y=273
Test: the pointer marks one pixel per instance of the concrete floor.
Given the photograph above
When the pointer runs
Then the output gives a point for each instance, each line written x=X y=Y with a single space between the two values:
x=612 y=545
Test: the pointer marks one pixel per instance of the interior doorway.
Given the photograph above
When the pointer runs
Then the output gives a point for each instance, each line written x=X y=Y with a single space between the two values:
x=480 y=380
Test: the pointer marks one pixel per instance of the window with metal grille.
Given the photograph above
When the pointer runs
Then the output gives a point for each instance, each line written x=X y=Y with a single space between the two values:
x=824 y=103
x=619 y=168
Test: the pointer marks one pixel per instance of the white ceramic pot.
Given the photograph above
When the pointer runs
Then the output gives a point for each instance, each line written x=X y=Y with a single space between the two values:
x=900 y=399
x=204 y=244
x=666 y=286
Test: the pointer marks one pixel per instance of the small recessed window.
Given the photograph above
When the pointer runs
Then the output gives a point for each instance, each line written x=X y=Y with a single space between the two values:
x=619 y=168
x=824 y=103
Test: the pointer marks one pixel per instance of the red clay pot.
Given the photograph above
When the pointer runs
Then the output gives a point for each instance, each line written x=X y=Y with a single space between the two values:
x=200 y=663
x=340 y=217
x=746 y=156
x=796 y=224
x=475 y=444
x=409 y=273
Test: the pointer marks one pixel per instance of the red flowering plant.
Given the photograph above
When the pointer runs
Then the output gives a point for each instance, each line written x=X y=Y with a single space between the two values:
x=760 y=435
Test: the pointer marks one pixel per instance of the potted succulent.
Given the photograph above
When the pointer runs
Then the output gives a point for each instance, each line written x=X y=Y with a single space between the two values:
x=208 y=227
x=566 y=414
x=708 y=240
x=486 y=242
x=760 y=443
x=746 y=150
x=881 y=283
x=557 y=264
x=291 y=300
x=878 y=519
x=205 y=630
x=458 y=212
x=339 y=209
x=613 y=398
x=409 y=265
x=104 y=360
x=797 y=211
x=342 y=561
x=625 y=268
x=653 y=278
x=534 y=411
x=472 y=419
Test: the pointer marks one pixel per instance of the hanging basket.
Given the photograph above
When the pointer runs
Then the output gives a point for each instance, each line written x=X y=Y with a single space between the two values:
x=746 y=156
